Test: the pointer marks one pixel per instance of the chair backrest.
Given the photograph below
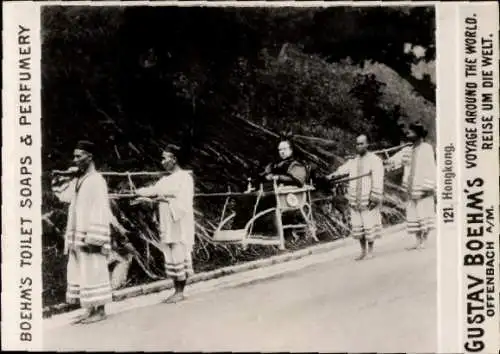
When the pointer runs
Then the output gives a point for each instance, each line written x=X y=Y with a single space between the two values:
x=291 y=198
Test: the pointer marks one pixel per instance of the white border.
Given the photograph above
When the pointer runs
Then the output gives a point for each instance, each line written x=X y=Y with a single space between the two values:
x=240 y=3
x=487 y=169
x=28 y=15
x=447 y=131
x=449 y=247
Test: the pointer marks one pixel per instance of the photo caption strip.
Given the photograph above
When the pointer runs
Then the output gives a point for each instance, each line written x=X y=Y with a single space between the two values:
x=21 y=173
x=479 y=125
x=447 y=154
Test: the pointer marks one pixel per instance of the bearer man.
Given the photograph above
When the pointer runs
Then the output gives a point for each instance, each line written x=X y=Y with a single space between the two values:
x=419 y=182
x=364 y=194
x=87 y=237
x=176 y=213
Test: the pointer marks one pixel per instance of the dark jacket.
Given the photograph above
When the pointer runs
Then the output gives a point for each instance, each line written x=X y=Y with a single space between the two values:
x=290 y=172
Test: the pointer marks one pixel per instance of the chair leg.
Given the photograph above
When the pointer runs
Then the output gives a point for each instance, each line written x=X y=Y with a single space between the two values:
x=312 y=231
x=281 y=231
x=311 y=226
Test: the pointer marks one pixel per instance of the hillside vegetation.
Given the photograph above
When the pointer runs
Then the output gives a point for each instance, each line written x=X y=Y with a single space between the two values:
x=222 y=83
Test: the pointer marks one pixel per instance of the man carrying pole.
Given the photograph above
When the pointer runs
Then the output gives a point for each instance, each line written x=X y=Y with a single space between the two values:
x=87 y=237
x=364 y=194
x=175 y=193
x=419 y=182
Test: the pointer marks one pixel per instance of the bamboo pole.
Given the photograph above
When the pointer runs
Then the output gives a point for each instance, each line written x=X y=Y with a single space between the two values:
x=139 y=173
x=230 y=194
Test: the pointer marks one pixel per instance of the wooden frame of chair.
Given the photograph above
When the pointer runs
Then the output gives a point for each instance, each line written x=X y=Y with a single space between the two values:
x=244 y=236
x=303 y=202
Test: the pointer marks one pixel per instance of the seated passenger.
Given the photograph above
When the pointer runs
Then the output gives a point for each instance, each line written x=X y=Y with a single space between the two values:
x=288 y=171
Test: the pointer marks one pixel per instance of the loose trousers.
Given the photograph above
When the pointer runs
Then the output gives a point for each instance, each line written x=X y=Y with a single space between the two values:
x=420 y=215
x=88 y=279
x=366 y=224
x=178 y=261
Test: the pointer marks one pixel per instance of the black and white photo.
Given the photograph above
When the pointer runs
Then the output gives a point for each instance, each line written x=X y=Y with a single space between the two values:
x=250 y=176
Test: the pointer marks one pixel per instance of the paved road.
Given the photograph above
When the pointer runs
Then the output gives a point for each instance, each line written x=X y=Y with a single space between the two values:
x=386 y=304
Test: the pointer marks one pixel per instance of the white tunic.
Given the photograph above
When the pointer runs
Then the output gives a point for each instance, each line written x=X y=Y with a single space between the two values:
x=419 y=179
x=177 y=215
x=419 y=169
x=89 y=212
x=369 y=187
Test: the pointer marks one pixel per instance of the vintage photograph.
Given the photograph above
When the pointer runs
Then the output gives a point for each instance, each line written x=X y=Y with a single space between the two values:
x=239 y=178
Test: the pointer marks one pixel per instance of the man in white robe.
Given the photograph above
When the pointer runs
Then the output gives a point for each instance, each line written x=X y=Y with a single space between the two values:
x=365 y=195
x=87 y=236
x=176 y=214
x=419 y=183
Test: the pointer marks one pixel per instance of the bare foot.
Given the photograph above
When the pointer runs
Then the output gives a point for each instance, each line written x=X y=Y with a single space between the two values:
x=175 y=297
x=370 y=256
x=82 y=317
x=96 y=317
x=419 y=245
x=360 y=257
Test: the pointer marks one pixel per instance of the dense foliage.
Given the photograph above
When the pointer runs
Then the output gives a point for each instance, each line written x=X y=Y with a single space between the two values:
x=221 y=82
